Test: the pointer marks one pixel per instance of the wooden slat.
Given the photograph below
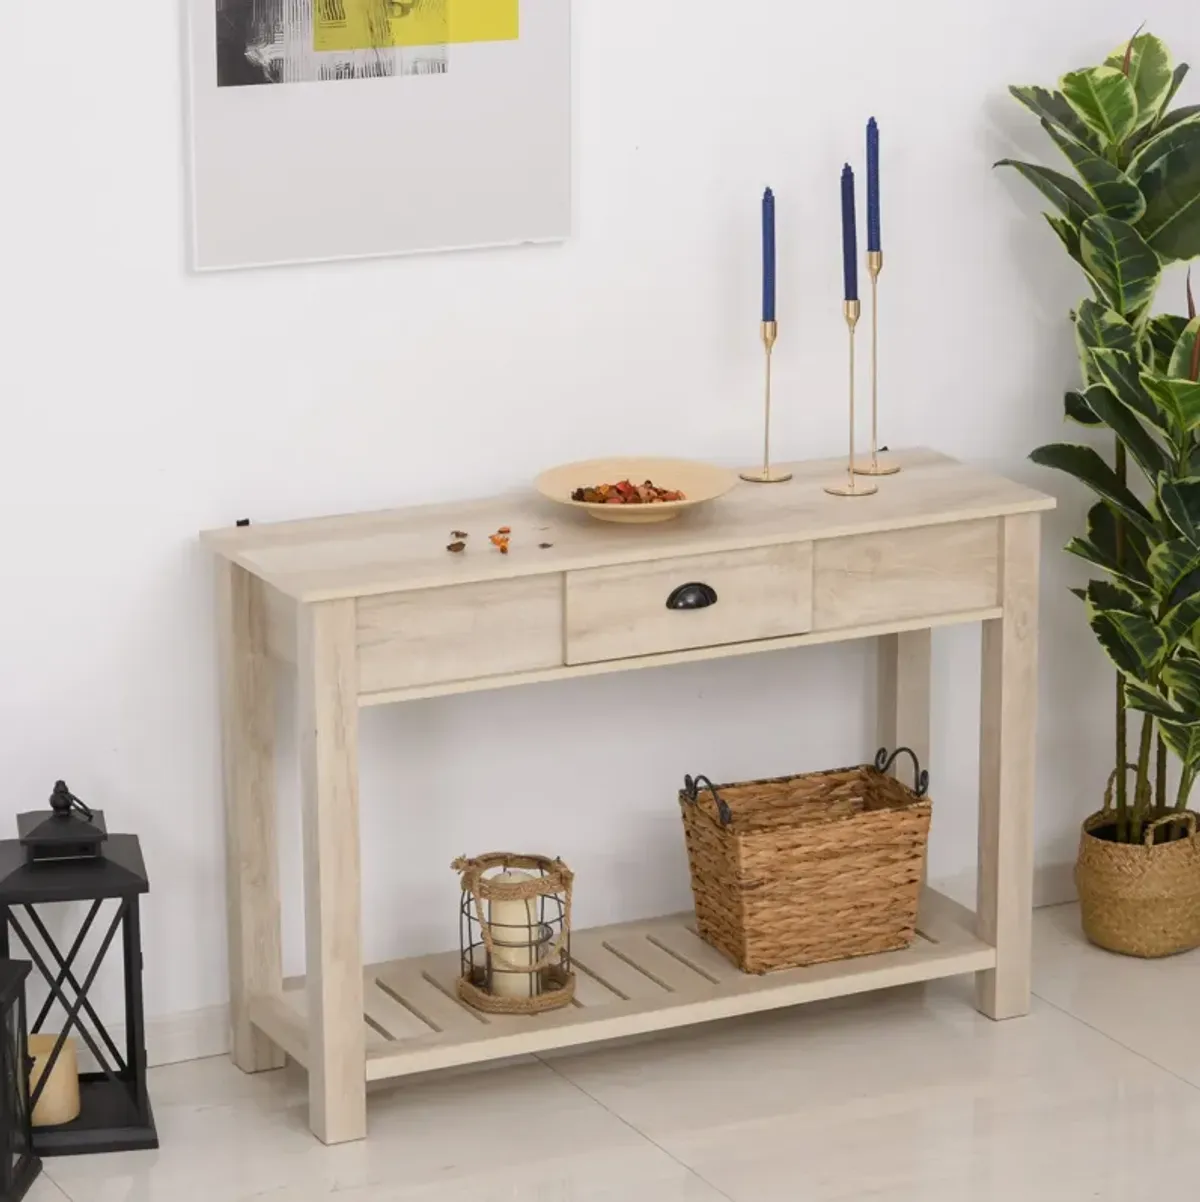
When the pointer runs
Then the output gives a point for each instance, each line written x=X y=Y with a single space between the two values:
x=592 y=957
x=406 y=979
x=689 y=947
x=389 y=1015
x=590 y=992
x=672 y=974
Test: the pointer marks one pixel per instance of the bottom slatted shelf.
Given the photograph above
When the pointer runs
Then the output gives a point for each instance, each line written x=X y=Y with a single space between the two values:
x=631 y=979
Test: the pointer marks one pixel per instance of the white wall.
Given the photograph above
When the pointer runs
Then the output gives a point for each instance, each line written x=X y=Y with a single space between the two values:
x=141 y=404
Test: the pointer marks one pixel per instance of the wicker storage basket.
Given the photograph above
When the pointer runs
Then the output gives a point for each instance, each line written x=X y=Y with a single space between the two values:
x=805 y=869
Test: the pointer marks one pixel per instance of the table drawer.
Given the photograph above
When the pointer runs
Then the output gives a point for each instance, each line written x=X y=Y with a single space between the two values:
x=906 y=574
x=459 y=633
x=619 y=612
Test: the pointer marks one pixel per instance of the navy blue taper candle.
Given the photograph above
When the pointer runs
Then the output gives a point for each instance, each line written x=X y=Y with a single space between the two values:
x=768 y=240
x=849 y=235
x=874 y=233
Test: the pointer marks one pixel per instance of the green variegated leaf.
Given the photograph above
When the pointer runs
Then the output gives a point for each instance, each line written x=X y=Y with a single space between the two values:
x=1184 y=741
x=1186 y=113
x=1086 y=465
x=1124 y=267
x=1077 y=409
x=1181 y=398
x=1075 y=201
x=1165 y=332
x=1177 y=78
x=1096 y=325
x=1126 y=424
x=1106 y=595
x=1182 y=133
x=1104 y=100
x=1184 y=358
x=1150 y=701
x=1133 y=642
x=1179 y=621
x=1068 y=235
x=1053 y=107
x=1175 y=568
x=1182 y=678
x=1171 y=223
x=1171 y=563
x=1100 y=548
x=1124 y=379
x=1180 y=503
x=1116 y=193
x=1149 y=72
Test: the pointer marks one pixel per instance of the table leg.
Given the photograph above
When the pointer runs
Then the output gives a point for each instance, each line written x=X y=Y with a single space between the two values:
x=904 y=697
x=1006 y=775
x=327 y=685
x=904 y=692
x=247 y=687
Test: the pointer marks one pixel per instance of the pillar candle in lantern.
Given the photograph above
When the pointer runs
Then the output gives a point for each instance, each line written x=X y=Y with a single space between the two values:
x=59 y=1100
x=515 y=929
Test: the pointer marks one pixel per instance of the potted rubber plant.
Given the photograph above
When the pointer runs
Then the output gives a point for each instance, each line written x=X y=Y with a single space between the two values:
x=1127 y=205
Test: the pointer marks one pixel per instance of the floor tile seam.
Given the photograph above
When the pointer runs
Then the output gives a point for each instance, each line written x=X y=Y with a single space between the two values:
x=687 y=1168
x=1114 y=1040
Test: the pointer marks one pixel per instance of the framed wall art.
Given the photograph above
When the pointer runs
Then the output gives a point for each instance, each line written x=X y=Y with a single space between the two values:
x=331 y=129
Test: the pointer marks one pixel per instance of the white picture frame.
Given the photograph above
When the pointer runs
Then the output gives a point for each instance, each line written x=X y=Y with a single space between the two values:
x=421 y=149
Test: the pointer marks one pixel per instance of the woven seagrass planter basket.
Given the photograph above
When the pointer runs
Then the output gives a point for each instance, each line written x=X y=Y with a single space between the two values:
x=801 y=870
x=1140 y=899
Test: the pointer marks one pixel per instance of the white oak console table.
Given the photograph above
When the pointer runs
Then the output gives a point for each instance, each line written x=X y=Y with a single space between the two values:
x=371 y=609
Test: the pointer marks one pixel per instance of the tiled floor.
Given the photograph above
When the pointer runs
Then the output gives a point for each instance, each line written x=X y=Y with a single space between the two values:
x=908 y=1096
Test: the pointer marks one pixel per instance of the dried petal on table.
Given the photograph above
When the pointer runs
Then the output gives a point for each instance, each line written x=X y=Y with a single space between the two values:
x=457 y=547
x=545 y=546
x=504 y=530
x=458 y=534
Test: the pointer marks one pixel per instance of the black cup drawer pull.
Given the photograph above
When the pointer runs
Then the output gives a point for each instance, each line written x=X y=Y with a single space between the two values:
x=692 y=596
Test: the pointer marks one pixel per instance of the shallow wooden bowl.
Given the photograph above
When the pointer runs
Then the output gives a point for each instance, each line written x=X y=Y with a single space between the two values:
x=699 y=483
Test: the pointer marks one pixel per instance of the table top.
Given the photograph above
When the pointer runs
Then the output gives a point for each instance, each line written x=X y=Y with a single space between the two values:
x=357 y=555
x=120 y=872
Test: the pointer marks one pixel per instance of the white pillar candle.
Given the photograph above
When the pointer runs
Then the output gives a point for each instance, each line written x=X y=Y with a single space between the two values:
x=516 y=940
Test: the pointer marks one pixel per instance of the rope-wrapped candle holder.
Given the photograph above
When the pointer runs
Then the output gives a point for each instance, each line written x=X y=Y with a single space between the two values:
x=515 y=933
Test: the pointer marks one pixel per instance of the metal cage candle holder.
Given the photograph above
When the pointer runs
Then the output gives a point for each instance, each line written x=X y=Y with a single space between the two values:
x=515 y=933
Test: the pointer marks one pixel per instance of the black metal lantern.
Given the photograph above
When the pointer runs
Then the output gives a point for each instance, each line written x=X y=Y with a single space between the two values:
x=115 y=1112
x=18 y=1164
x=67 y=831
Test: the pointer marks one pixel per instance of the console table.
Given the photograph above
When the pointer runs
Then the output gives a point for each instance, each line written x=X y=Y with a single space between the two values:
x=372 y=609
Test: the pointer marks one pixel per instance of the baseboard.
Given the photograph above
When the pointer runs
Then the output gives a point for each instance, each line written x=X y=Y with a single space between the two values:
x=1053 y=885
x=193 y=1035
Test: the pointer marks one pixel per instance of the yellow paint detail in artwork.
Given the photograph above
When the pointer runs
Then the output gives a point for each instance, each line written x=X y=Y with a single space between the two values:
x=379 y=24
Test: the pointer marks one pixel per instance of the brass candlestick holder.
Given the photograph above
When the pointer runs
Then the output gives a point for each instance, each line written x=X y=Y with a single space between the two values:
x=876 y=466
x=853 y=486
x=769 y=474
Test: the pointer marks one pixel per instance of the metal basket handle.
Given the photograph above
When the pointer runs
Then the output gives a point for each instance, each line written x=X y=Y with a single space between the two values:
x=884 y=762
x=691 y=790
